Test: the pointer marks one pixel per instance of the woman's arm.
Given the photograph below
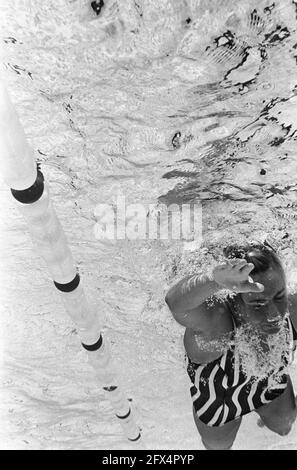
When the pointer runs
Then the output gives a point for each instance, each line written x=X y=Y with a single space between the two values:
x=190 y=292
x=189 y=300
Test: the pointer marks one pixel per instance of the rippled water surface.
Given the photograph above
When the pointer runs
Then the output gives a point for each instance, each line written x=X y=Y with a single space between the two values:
x=161 y=102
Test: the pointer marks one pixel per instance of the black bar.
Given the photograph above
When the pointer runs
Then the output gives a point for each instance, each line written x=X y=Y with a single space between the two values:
x=69 y=286
x=31 y=194
x=126 y=416
x=136 y=439
x=134 y=459
x=93 y=347
x=110 y=389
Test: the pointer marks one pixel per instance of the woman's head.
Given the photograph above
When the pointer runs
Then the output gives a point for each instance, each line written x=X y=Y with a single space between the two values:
x=262 y=309
x=261 y=255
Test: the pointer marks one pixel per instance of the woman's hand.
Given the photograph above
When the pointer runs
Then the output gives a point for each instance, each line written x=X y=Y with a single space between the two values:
x=234 y=275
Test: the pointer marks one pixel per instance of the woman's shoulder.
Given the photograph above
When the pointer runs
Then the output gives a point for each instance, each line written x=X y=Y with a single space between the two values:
x=210 y=343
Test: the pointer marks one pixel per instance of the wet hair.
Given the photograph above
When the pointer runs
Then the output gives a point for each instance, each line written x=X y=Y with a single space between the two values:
x=262 y=255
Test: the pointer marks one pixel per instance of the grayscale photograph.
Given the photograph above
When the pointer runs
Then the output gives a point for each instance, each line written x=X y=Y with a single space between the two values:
x=148 y=227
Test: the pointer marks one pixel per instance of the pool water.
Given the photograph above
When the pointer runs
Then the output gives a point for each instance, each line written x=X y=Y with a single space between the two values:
x=173 y=102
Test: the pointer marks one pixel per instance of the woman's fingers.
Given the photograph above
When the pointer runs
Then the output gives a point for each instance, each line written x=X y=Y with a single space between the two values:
x=248 y=286
x=236 y=261
x=222 y=266
x=241 y=264
x=247 y=269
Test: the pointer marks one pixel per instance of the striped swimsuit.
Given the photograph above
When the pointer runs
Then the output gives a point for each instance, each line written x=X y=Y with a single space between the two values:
x=221 y=391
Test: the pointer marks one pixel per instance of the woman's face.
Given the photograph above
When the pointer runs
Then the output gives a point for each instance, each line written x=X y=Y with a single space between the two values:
x=266 y=310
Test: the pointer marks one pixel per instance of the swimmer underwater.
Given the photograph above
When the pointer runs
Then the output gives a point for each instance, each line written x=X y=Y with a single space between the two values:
x=222 y=392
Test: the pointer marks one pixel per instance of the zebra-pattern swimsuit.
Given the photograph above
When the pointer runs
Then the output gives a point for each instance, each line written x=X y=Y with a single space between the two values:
x=221 y=391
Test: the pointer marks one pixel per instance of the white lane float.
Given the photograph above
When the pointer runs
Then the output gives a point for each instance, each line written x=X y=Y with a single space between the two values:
x=31 y=194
